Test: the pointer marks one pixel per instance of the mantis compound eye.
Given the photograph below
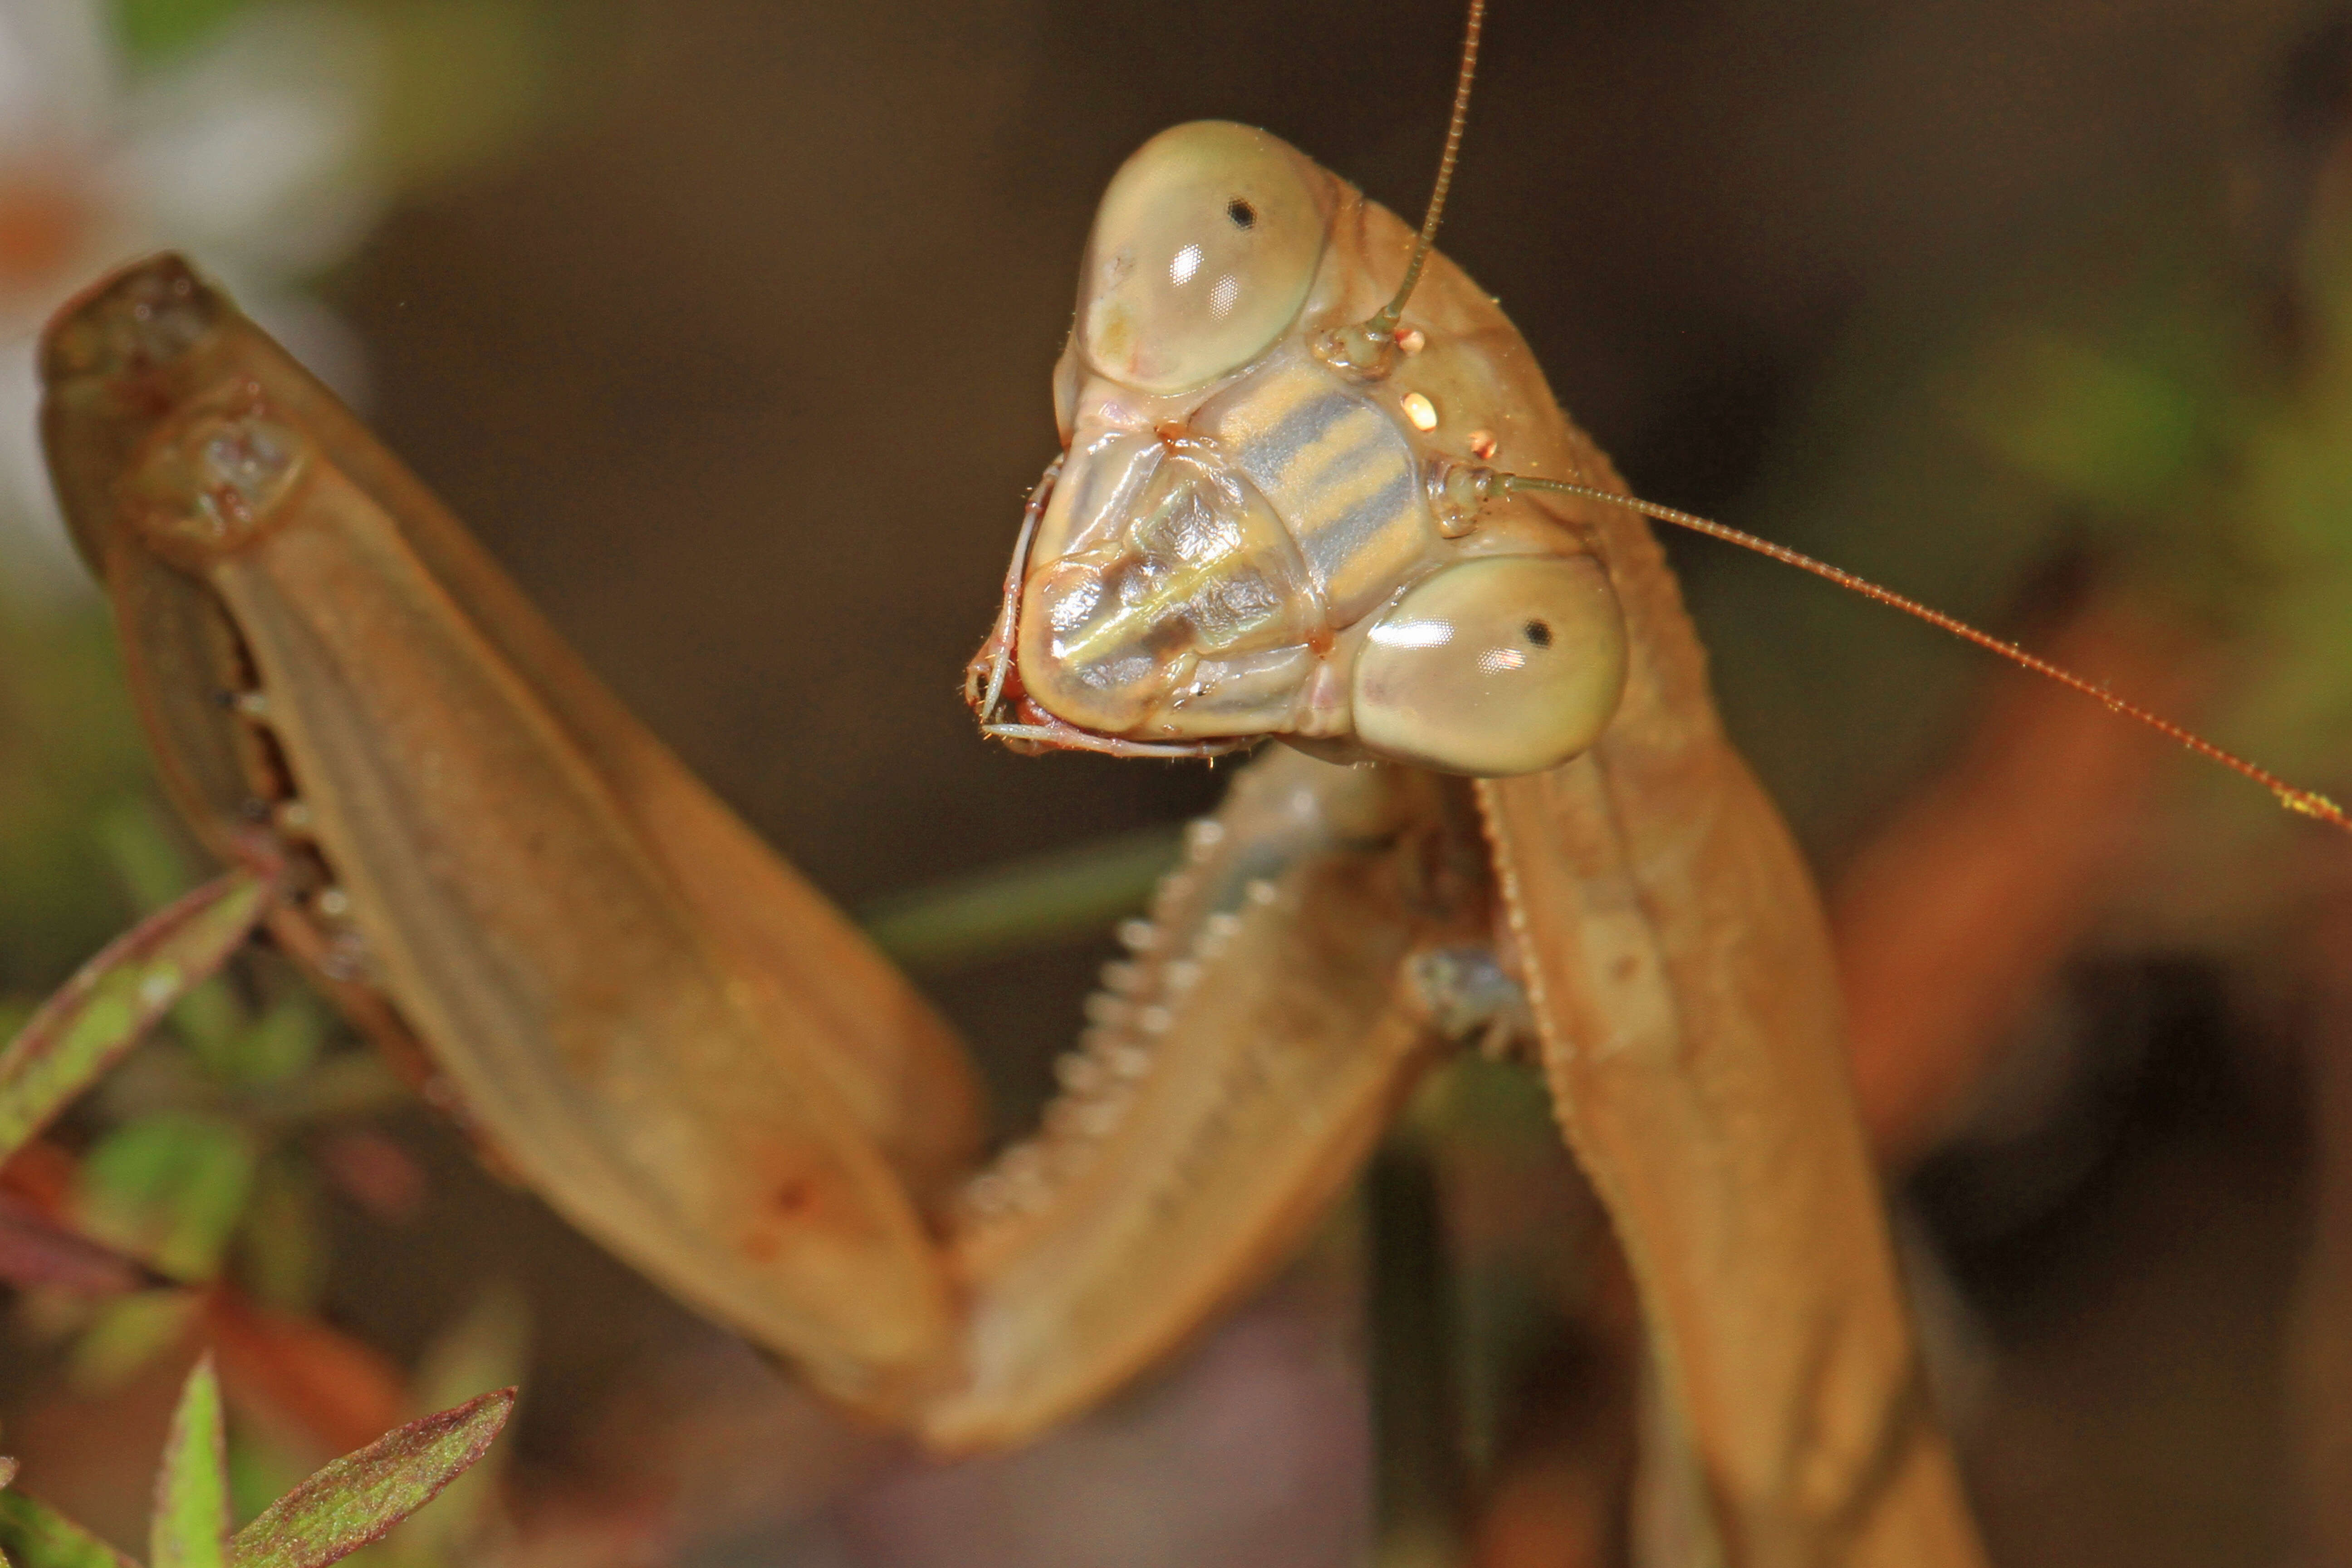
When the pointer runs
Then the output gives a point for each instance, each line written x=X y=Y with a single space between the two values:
x=1203 y=252
x=1501 y=665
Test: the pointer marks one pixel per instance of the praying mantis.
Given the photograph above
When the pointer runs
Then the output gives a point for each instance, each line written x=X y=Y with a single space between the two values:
x=644 y=1016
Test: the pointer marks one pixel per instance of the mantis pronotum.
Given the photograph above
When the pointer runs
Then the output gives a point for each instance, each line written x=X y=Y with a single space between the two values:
x=689 y=1053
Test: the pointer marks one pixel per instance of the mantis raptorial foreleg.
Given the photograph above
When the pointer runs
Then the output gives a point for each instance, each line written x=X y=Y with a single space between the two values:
x=492 y=854
x=695 y=1059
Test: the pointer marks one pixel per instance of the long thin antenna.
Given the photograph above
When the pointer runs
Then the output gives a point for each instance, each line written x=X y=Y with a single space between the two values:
x=1385 y=325
x=2306 y=802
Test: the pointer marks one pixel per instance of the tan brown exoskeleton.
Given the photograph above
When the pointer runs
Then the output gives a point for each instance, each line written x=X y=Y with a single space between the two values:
x=1300 y=497
x=1283 y=510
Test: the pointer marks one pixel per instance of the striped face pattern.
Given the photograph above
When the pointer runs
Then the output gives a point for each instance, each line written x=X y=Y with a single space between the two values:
x=1253 y=535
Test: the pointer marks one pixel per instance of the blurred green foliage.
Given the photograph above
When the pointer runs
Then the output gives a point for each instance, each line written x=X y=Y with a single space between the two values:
x=197 y=1167
x=36 y=1533
x=343 y=1508
x=195 y=1159
x=457 y=82
x=489 y=1345
x=1045 y=900
x=156 y=29
x=2150 y=408
x=163 y=962
x=69 y=750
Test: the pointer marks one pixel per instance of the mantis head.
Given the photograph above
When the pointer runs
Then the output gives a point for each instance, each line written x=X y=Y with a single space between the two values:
x=1298 y=499
x=1259 y=526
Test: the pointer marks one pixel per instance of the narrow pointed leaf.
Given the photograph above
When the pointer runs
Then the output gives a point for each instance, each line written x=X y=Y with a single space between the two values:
x=1028 y=904
x=36 y=1535
x=488 y=1347
x=191 y=1525
x=101 y=1012
x=354 y=1500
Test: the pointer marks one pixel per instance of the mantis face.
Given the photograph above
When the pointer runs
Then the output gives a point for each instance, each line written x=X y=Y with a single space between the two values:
x=1251 y=534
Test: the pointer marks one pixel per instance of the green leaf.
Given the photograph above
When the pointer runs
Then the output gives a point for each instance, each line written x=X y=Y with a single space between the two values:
x=2095 y=425
x=68 y=744
x=154 y=29
x=1026 y=905
x=349 y=1084
x=140 y=847
x=489 y=1346
x=36 y=1535
x=464 y=81
x=101 y=1012
x=261 y=1471
x=358 y=1497
x=169 y=1188
x=280 y=1249
x=154 y=871
x=190 y=1529
x=128 y=1334
x=283 y=1043
x=208 y=1019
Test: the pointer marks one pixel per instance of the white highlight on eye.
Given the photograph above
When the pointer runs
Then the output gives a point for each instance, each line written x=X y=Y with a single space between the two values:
x=1420 y=411
x=1176 y=322
x=1412 y=634
x=1530 y=676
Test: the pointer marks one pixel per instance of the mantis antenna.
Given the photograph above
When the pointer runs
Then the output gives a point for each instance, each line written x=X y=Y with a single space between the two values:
x=1383 y=325
x=2308 y=802
x=1370 y=344
x=1368 y=348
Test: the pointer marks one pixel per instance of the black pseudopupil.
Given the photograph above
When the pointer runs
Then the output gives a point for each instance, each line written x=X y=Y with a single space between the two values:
x=1244 y=215
x=1538 y=632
